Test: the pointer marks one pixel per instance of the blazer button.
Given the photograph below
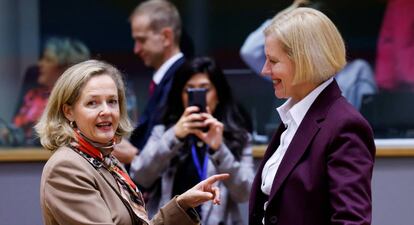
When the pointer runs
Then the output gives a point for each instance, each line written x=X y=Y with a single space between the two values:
x=273 y=219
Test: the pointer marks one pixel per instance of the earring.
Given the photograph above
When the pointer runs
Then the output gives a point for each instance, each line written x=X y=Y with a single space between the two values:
x=72 y=124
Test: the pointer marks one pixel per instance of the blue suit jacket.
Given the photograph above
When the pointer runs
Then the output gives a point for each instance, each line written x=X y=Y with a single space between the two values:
x=151 y=114
x=325 y=175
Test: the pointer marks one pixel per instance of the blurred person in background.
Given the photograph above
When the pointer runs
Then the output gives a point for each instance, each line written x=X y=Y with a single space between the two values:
x=190 y=144
x=59 y=53
x=156 y=31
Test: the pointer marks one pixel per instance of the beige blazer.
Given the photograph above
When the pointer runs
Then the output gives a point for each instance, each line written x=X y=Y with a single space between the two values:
x=72 y=191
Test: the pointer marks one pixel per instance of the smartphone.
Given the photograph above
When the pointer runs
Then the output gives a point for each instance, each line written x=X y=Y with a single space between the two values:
x=197 y=97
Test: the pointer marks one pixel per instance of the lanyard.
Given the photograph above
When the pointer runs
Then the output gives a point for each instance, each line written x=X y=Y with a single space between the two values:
x=202 y=172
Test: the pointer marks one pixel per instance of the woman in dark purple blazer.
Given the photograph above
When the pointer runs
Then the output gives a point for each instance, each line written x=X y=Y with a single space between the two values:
x=317 y=168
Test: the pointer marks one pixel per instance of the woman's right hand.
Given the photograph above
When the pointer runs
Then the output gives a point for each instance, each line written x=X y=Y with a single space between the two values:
x=189 y=122
x=202 y=192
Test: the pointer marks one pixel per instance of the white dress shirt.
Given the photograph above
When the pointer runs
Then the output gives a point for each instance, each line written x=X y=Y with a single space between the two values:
x=160 y=73
x=291 y=116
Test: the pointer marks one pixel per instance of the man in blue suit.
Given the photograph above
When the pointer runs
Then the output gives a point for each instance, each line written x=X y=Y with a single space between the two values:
x=156 y=30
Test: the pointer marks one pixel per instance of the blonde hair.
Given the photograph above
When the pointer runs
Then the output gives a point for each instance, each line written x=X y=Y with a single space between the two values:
x=53 y=128
x=67 y=51
x=311 y=41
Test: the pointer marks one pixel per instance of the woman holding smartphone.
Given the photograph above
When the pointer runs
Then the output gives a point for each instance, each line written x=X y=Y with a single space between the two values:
x=190 y=145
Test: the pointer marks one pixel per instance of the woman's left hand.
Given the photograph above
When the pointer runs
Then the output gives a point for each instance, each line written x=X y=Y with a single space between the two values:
x=202 y=192
x=214 y=136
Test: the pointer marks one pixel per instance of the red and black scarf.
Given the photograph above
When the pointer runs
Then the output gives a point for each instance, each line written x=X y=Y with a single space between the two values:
x=109 y=162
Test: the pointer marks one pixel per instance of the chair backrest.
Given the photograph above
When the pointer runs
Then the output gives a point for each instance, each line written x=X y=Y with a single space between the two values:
x=29 y=82
x=355 y=81
x=391 y=114
x=256 y=94
x=10 y=135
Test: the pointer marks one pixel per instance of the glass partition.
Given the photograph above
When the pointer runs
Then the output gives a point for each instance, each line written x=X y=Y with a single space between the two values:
x=218 y=29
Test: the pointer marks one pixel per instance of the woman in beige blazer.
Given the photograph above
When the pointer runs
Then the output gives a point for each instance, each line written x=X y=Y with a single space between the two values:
x=82 y=183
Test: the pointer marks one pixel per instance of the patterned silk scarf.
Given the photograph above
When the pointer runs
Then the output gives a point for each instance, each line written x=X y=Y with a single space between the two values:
x=128 y=190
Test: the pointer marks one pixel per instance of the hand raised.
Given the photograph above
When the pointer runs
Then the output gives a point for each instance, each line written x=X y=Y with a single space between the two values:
x=189 y=122
x=214 y=135
x=202 y=192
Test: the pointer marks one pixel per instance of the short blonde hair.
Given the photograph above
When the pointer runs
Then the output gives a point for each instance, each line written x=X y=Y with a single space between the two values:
x=67 y=51
x=53 y=128
x=311 y=41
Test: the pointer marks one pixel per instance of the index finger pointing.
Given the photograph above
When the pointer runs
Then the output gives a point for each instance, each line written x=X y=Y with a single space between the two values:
x=217 y=177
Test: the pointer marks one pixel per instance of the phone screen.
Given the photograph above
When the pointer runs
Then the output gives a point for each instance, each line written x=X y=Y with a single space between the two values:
x=197 y=97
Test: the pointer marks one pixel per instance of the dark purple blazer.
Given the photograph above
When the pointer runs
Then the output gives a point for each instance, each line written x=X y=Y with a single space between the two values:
x=325 y=175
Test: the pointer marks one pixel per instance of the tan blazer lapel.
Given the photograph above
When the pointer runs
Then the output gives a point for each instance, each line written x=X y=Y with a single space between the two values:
x=133 y=208
x=109 y=179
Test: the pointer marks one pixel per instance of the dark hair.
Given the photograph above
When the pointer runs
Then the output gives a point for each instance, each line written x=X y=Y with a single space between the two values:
x=236 y=121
